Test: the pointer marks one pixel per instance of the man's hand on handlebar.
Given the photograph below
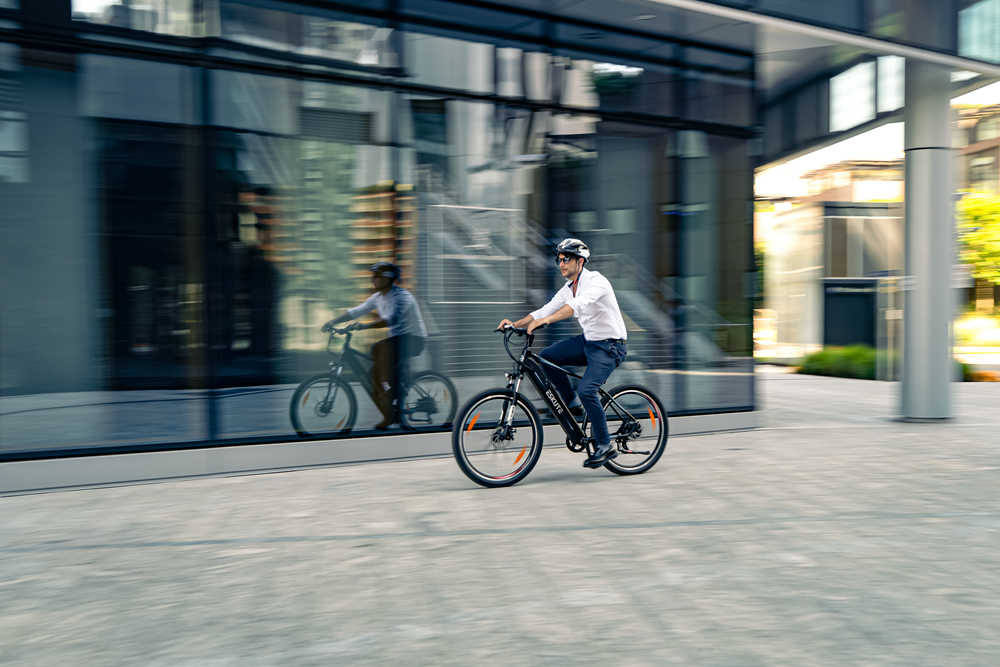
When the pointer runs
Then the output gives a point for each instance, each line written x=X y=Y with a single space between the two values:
x=329 y=327
x=504 y=323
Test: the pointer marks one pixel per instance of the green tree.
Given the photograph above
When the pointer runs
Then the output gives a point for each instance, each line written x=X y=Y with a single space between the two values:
x=979 y=234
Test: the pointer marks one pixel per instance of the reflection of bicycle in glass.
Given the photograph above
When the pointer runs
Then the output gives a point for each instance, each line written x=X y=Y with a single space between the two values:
x=325 y=403
x=497 y=437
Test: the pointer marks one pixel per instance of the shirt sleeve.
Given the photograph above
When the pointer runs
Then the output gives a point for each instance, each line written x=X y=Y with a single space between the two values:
x=552 y=306
x=589 y=296
x=366 y=306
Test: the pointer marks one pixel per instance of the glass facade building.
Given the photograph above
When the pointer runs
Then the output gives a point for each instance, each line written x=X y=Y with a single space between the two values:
x=192 y=188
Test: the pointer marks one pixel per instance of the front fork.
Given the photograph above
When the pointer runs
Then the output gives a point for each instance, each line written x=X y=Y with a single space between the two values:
x=514 y=384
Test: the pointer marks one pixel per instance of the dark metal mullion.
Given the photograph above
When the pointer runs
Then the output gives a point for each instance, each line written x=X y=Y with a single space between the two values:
x=680 y=317
x=752 y=160
x=210 y=271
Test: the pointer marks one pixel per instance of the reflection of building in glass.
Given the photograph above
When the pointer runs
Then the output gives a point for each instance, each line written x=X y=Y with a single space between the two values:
x=211 y=217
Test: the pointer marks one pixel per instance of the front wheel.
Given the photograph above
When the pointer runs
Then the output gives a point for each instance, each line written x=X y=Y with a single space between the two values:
x=638 y=426
x=430 y=401
x=323 y=404
x=497 y=438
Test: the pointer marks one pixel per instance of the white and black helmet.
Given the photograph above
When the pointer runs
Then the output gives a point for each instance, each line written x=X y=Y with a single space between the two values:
x=574 y=247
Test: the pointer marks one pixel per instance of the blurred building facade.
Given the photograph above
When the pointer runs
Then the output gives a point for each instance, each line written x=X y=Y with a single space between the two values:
x=192 y=187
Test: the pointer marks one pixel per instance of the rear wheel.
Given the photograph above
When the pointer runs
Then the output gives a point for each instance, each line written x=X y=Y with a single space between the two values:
x=430 y=401
x=638 y=432
x=497 y=438
x=323 y=404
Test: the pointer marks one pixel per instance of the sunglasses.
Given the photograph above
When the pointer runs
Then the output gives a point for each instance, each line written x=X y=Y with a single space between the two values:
x=566 y=260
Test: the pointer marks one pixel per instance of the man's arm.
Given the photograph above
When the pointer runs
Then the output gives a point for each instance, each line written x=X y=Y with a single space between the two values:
x=550 y=308
x=353 y=313
x=565 y=312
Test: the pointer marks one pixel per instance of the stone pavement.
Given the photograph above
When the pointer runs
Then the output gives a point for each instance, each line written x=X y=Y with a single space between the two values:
x=833 y=535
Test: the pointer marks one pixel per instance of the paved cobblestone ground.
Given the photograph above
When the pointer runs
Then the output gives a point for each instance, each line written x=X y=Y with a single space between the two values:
x=831 y=536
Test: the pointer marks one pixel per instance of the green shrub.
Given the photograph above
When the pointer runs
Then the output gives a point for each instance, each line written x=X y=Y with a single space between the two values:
x=855 y=361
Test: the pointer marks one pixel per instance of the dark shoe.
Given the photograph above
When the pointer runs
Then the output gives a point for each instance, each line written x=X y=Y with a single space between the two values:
x=602 y=454
x=383 y=425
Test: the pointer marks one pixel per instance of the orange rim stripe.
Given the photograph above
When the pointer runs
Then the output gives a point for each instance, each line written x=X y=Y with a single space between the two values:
x=340 y=422
x=520 y=456
x=651 y=416
x=473 y=422
x=306 y=397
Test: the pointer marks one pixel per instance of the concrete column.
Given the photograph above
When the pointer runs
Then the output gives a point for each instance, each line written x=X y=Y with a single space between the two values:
x=930 y=229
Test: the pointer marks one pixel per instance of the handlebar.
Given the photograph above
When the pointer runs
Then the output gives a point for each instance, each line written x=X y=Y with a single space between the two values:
x=509 y=331
x=334 y=330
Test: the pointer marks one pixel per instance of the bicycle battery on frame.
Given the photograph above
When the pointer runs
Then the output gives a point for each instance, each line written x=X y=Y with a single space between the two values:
x=551 y=396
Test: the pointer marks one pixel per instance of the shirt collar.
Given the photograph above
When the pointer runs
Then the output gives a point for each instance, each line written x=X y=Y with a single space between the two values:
x=584 y=272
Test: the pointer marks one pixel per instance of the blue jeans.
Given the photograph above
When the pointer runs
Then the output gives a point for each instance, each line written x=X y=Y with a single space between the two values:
x=600 y=358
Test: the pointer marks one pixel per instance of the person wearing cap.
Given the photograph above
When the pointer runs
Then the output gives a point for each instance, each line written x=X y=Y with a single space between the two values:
x=589 y=297
x=397 y=310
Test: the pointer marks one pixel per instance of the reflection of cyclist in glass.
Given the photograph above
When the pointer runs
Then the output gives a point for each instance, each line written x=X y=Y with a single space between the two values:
x=397 y=309
x=589 y=297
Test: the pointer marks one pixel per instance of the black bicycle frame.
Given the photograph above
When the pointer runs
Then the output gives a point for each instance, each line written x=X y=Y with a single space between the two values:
x=352 y=359
x=531 y=364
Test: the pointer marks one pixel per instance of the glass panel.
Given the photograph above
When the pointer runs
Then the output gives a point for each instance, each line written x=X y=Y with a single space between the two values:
x=315 y=35
x=979 y=29
x=108 y=88
x=983 y=173
x=102 y=335
x=718 y=99
x=794 y=278
x=838 y=14
x=886 y=18
x=836 y=244
x=449 y=62
x=891 y=83
x=714 y=279
x=618 y=87
x=852 y=97
x=292 y=204
x=171 y=17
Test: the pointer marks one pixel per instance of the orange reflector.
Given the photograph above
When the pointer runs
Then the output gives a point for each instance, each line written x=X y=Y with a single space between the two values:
x=306 y=397
x=340 y=422
x=519 y=456
x=651 y=416
x=473 y=422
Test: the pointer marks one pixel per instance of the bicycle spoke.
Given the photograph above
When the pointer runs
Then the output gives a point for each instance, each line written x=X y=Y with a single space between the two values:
x=496 y=449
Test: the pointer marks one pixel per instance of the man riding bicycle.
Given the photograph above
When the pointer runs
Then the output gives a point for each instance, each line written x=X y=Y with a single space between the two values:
x=397 y=309
x=589 y=297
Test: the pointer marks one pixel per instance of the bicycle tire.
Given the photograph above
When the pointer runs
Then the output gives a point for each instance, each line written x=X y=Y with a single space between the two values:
x=451 y=406
x=302 y=396
x=615 y=465
x=464 y=425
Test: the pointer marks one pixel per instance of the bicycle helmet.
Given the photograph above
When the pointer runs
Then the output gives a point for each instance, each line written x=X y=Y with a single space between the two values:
x=386 y=270
x=574 y=247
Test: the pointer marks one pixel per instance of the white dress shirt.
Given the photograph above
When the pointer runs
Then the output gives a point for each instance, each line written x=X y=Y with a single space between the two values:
x=398 y=308
x=594 y=306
